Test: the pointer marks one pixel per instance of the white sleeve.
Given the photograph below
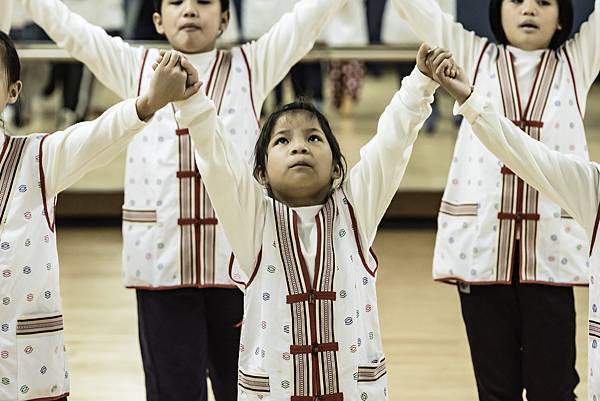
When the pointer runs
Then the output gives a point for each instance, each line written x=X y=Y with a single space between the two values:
x=584 y=49
x=116 y=64
x=437 y=28
x=567 y=180
x=6 y=15
x=68 y=155
x=374 y=180
x=236 y=196
x=290 y=39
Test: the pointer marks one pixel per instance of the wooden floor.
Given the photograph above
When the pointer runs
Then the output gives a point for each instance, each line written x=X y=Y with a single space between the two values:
x=426 y=349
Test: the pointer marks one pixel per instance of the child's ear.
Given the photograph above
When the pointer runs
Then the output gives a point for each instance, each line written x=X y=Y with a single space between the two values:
x=157 y=19
x=14 y=90
x=225 y=16
x=263 y=178
x=336 y=172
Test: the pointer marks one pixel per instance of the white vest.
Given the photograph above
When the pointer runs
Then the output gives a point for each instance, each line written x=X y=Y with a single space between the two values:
x=171 y=237
x=32 y=353
x=301 y=339
x=485 y=207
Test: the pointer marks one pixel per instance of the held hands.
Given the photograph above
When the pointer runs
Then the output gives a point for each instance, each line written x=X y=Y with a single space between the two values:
x=439 y=65
x=174 y=79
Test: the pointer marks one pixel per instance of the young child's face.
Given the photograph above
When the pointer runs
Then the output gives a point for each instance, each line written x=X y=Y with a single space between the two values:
x=299 y=160
x=530 y=24
x=191 y=26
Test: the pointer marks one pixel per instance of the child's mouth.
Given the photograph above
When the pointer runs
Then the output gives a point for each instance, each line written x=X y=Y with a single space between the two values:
x=190 y=27
x=528 y=26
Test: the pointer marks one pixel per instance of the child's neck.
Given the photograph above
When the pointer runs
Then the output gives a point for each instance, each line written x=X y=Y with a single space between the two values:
x=295 y=201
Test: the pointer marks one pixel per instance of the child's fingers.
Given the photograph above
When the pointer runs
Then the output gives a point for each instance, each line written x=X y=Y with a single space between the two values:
x=441 y=57
x=155 y=66
x=441 y=69
x=192 y=90
x=424 y=51
x=166 y=59
x=175 y=57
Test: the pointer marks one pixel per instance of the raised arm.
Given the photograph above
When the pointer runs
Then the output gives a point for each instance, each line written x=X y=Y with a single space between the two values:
x=374 y=180
x=569 y=181
x=290 y=39
x=237 y=198
x=6 y=15
x=584 y=50
x=116 y=64
x=431 y=25
x=68 y=155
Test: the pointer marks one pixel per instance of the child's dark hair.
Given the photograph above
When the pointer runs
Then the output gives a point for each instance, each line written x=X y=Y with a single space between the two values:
x=224 y=5
x=9 y=59
x=262 y=144
x=565 y=17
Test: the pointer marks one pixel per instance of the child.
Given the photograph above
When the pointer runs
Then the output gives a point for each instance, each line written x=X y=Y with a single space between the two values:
x=508 y=247
x=175 y=254
x=310 y=328
x=571 y=182
x=33 y=170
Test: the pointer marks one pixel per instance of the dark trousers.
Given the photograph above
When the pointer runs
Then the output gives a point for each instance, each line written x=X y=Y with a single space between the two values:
x=522 y=336
x=183 y=334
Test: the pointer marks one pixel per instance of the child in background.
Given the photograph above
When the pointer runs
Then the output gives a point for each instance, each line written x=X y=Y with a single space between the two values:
x=174 y=253
x=569 y=181
x=34 y=169
x=302 y=252
x=347 y=28
x=510 y=249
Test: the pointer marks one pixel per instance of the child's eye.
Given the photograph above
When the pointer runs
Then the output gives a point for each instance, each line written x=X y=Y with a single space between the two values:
x=281 y=141
x=314 y=138
x=175 y=2
x=544 y=3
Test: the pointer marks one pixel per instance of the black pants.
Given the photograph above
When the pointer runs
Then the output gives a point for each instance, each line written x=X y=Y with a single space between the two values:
x=185 y=333
x=522 y=336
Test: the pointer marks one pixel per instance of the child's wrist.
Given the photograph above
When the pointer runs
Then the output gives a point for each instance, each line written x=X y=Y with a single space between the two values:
x=145 y=109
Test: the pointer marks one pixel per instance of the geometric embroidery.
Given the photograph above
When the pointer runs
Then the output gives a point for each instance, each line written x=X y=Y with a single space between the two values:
x=594 y=329
x=372 y=372
x=257 y=384
x=40 y=325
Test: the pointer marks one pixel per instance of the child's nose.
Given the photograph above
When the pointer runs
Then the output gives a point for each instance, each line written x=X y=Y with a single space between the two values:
x=190 y=9
x=299 y=147
x=529 y=7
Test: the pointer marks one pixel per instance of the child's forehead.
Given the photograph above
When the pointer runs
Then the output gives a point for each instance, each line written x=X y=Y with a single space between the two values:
x=296 y=119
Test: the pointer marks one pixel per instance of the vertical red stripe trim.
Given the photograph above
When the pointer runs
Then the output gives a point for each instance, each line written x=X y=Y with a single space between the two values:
x=51 y=225
x=573 y=79
x=212 y=73
x=142 y=72
x=357 y=239
x=487 y=44
x=251 y=86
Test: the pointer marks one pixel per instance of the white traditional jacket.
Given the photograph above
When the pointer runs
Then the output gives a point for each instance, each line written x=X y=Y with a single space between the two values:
x=170 y=230
x=310 y=328
x=33 y=169
x=172 y=237
x=485 y=207
x=32 y=352
x=568 y=180
x=306 y=336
